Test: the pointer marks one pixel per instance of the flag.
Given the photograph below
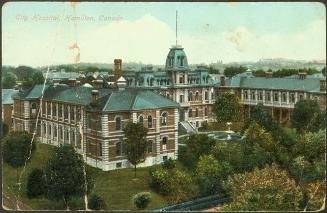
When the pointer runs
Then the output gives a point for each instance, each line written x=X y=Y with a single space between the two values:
x=77 y=58
x=74 y=46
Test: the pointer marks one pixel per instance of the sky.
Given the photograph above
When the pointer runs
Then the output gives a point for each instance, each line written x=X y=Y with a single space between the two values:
x=40 y=33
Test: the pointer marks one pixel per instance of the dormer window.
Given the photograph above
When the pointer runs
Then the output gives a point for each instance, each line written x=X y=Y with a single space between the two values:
x=182 y=61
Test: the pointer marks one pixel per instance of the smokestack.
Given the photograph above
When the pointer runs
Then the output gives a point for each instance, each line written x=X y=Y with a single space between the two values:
x=95 y=96
x=118 y=63
x=222 y=80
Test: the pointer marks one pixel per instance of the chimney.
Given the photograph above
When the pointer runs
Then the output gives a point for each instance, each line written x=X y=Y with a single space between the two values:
x=95 y=96
x=117 y=70
x=269 y=74
x=302 y=75
x=322 y=85
x=222 y=80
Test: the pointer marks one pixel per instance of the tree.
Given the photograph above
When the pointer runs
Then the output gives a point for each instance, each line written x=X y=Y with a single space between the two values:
x=268 y=189
x=64 y=176
x=96 y=202
x=227 y=108
x=35 y=183
x=210 y=175
x=16 y=149
x=8 y=81
x=304 y=114
x=169 y=164
x=135 y=143
x=231 y=71
x=5 y=129
x=319 y=122
x=323 y=71
x=142 y=200
x=197 y=145
x=35 y=78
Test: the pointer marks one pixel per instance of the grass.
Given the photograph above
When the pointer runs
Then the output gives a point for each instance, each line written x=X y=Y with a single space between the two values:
x=116 y=187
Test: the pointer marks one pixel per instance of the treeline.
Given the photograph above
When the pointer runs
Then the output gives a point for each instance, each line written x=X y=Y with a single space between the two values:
x=234 y=70
x=83 y=69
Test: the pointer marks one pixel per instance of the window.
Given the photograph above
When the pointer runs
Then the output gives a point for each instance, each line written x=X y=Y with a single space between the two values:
x=78 y=140
x=197 y=96
x=72 y=113
x=260 y=95
x=284 y=98
x=276 y=96
x=49 y=129
x=206 y=96
x=67 y=135
x=118 y=149
x=190 y=113
x=190 y=96
x=181 y=98
x=118 y=123
x=197 y=112
x=150 y=144
x=182 y=60
x=66 y=112
x=78 y=114
x=44 y=129
x=72 y=137
x=54 y=109
x=149 y=121
x=88 y=121
x=197 y=124
x=252 y=95
x=164 y=158
x=54 y=131
x=43 y=107
x=164 y=119
x=246 y=96
x=292 y=98
x=268 y=98
x=99 y=123
x=206 y=111
x=141 y=119
x=60 y=132
x=301 y=97
x=164 y=143
x=212 y=96
x=48 y=108
x=60 y=111
x=88 y=146
x=181 y=79
x=34 y=108
x=316 y=98
x=100 y=149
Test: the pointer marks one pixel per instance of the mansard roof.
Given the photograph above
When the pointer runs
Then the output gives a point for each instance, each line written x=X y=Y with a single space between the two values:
x=175 y=54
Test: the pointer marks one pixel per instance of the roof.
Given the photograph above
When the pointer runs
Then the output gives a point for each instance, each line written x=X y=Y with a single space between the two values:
x=34 y=92
x=136 y=99
x=308 y=84
x=7 y=95
x=61 y=75
x=175 y=53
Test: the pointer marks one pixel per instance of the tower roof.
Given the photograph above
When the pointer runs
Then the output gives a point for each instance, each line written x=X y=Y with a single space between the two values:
x=176 y=59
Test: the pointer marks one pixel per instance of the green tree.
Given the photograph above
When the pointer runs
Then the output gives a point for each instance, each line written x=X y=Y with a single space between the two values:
x=5 y=129
x=135 y=143
x=210 y=175
x=8 y=81
x=64 y=176
x=16 y=149
x=96 y=202
x=35 y=183
x=227 y=108
x=319 y=122
x=142 y=200
x=323 y=71
x=304 y=114
x=196 y=145
x=35 y=78
x=231 y=71
x=268 y=189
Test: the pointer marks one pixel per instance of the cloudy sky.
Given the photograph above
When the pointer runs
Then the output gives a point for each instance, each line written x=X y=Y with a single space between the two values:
x=37 y=34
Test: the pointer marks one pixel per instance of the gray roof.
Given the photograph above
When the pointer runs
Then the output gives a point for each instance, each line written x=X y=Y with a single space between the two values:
x=61 y=75
x=308 y=84
x=7 y=95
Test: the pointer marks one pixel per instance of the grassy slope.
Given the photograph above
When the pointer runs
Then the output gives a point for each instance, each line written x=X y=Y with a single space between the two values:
x=116 y=187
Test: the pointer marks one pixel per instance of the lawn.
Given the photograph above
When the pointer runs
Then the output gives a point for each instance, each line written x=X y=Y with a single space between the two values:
x=116 y=187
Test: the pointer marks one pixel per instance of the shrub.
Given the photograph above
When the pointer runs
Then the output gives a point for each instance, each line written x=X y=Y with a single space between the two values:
x=96 y=202
x=142 y=200
x=35 y=183
x=169 y=164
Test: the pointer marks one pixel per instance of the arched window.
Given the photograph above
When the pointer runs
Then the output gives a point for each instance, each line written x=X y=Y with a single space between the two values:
x=141 y=119
x=54 y=109
x=118 y=149
x=190 y=96
x=246 y=96
x=253 y=95
x=190 y=113
x=268 y=98
x=60 y=111
x=48 y=108
x=301 y=97
x=149 y=121
x=164 y=119
x=292 y=98
x=206 y=97
x=276 y=96
x=54 y=131
x=118 y=123
x=197 y=96
x=206 y=111
x=284 y=97
x=260 y=96
x=150 y=145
